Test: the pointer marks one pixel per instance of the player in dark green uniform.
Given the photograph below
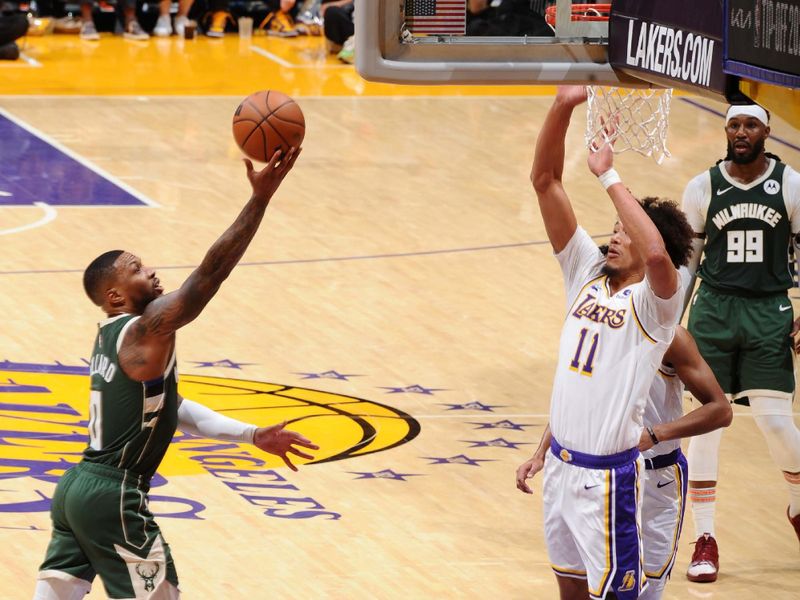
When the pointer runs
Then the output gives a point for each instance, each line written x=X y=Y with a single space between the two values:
x=745 y=212
x=101 y=521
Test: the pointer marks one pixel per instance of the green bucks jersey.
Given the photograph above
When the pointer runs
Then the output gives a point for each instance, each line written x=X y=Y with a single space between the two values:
x=748 y=229
x=131 y=423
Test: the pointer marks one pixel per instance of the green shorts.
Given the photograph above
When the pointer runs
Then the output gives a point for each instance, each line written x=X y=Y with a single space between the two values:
x=745 y=341
x=102 y=525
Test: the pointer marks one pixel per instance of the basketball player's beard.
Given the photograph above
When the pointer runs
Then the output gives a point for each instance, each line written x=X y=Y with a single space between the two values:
x=746 y=159
x=610 y=272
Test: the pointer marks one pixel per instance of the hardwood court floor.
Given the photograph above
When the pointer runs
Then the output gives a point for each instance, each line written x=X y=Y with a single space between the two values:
x=403 y=263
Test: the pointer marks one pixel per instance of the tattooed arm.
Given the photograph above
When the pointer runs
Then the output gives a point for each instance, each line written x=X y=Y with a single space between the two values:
x=149 y=342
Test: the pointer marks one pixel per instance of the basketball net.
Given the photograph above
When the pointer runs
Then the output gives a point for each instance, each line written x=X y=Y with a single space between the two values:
x=638 y=119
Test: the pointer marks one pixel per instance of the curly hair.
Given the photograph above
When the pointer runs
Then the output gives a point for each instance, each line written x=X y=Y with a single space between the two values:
x=673 y=227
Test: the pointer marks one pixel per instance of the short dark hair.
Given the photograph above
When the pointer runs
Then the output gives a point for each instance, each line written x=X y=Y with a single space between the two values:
x=97 y=273
x=673 y=227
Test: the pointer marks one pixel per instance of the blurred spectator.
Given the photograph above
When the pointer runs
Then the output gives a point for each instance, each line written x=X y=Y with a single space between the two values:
x=337 y=17
x=281 y=19
x=131 y=29
x=163 y=26
x=12 y=27
x=507 y=18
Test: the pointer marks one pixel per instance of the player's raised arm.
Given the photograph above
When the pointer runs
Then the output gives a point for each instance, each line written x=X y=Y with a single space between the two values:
x=143 y=353
x=548 y=166
x=698 y=378
x=644 y=235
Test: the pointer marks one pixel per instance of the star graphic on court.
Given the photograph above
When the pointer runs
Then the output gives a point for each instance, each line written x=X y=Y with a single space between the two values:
x=495 y=443
x=385 y=474
x=504 y=424
x=461 y=459
x=224 y=363
x=328 y=375
x=474 y=406
x=412 y=389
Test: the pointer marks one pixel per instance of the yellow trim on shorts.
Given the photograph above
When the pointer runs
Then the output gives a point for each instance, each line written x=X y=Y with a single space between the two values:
x=607 y=572
x=567 y=572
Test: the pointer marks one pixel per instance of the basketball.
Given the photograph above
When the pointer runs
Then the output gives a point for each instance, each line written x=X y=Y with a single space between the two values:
x=268 y=121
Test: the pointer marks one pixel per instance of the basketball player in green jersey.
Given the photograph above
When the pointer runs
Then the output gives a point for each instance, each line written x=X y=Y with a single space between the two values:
x=101 y=521
x=745 y=212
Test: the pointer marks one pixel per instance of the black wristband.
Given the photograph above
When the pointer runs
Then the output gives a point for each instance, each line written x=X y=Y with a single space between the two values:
x=652 y=435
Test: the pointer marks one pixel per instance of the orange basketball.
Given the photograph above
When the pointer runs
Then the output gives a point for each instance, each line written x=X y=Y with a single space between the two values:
x=266 y=122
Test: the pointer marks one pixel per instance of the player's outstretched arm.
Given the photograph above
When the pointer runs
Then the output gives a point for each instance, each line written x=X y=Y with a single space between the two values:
x=198 y=419
x=548 y=167
x=699 y=379
x=534 y=464
x=143 y=354
x=660 y=271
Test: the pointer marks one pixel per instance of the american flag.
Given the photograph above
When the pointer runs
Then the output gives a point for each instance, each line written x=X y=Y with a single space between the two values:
x=437 y=16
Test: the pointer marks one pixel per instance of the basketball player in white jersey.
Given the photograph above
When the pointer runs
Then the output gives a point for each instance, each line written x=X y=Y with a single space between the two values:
x=622 y=310
x=666 y=473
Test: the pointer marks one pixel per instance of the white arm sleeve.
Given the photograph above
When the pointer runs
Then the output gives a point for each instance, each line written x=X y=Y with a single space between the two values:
x=696 y=199
x=200 y=420
x=791 y=196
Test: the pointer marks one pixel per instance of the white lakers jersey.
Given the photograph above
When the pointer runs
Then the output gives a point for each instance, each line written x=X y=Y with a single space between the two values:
x=611 y=347
x=665 y=404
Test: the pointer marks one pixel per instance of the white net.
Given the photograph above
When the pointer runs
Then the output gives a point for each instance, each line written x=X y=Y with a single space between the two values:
x=638 y=120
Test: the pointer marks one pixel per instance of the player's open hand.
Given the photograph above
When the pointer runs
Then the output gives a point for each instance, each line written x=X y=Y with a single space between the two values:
x=281 y=442
x=526 y=471
x=266 y=181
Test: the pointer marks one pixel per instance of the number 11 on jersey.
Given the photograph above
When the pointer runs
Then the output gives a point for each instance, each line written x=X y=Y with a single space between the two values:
x=588 y=365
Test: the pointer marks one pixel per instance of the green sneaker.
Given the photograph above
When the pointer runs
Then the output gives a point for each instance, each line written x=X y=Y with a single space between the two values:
x=347 y=53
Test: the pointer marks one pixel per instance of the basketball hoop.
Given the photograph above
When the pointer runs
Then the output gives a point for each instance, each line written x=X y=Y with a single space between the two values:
x=580 y=12
x=639 y=116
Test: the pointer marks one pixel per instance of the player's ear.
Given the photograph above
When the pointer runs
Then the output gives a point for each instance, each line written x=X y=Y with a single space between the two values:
x=114 y=298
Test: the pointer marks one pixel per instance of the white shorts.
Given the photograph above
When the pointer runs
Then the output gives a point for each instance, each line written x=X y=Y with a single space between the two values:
x=662 y=514
x=591 y=519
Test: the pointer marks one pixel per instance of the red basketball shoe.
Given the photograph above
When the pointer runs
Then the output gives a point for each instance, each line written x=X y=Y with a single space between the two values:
x=705 y=560
x=795 y=521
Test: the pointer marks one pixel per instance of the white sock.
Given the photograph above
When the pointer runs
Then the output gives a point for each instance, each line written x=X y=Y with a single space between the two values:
x=793 y=483
x=704 y=503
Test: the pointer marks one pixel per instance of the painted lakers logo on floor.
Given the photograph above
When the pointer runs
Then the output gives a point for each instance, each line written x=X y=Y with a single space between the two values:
x=44 y=415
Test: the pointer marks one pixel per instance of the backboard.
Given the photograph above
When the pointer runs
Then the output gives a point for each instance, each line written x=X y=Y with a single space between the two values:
x=389 y=48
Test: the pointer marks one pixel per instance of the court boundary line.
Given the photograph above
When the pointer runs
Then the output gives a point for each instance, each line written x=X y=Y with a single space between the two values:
x=290 y=65
x=296 y=261
x=50 y=214
x=78 y=158
x=28 y=62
